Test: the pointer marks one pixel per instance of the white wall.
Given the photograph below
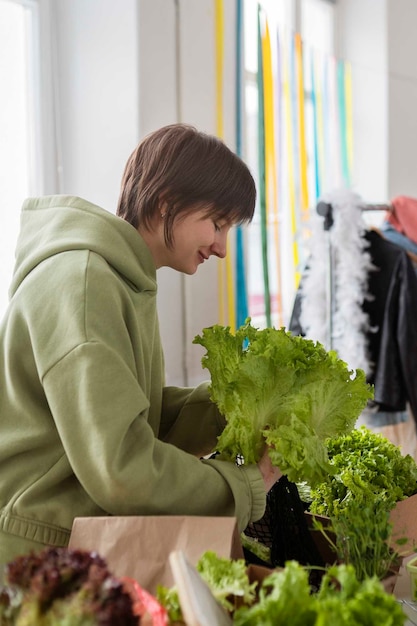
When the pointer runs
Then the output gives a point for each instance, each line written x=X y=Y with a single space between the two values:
x=361 y=39
x=378 y=38
x=97 y=94
x=124 y=69
x=402 y=97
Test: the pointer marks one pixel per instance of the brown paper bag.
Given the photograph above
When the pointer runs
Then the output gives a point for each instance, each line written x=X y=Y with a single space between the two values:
x=139 y=547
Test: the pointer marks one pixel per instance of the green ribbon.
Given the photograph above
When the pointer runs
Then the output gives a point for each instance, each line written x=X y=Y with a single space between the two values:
x=261 y=175
x=242 y=311
x=342 y=119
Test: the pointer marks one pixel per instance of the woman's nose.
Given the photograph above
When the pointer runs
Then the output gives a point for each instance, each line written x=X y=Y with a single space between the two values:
x=219 y=247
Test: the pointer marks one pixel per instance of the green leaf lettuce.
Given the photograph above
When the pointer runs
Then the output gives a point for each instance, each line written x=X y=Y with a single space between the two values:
x=283 y=389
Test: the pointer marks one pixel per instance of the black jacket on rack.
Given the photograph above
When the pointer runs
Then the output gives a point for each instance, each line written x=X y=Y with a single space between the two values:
x=392 y=311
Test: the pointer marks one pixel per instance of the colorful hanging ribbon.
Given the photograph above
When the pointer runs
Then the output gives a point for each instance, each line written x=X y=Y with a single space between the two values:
x=242 y=309
x=271 y=190
x=296 y=160
x=225 y=283
x=261 y=174
x=219 y=25
x=279 y=161
x=317 y=178
x=334 y=127
x=341 y=89
x=269 y=132
x=288 y=116
x=320 y=118
x=302 y=144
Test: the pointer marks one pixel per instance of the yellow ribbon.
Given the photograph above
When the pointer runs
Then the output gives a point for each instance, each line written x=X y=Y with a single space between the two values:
x=270 y=161
x=290 y=159
x=271 y=185
x=301 y=126
x=225 y=283
x=219 y=19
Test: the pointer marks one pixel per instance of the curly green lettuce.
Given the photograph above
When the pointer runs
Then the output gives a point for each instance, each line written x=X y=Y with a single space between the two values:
x=227 y=579
x=285 y=596
x=283 y=389
x=342 y=600
x=366 y=466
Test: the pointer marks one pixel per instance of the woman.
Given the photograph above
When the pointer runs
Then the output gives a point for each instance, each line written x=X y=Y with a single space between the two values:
x=87 y=426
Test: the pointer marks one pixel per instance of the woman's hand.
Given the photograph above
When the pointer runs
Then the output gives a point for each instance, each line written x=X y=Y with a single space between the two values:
x=270 y=473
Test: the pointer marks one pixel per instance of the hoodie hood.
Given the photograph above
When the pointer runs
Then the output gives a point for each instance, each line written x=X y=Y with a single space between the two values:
x=55 y=224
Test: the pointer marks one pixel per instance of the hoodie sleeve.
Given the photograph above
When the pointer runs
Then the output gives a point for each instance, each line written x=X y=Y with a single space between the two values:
x=190 y=420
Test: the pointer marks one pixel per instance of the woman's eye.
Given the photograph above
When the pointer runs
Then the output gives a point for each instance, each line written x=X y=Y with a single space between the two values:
x=217 y=227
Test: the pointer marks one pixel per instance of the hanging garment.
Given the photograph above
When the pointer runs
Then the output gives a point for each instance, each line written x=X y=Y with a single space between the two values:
x=391 y=335
x=392 y=234
x=392 y=314
x=403 y=216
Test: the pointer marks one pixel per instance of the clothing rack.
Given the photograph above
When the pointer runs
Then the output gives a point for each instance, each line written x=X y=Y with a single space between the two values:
x=388 y=208
x=366 y=315
x=377 y=207
x=325 y=210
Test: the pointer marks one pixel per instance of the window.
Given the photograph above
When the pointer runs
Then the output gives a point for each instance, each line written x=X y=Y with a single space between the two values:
x=275 y=240
x=19 y=125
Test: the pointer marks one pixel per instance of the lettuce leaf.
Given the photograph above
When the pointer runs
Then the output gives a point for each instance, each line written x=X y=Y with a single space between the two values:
x=227 y=579
x=283 y=389
x=284 y=598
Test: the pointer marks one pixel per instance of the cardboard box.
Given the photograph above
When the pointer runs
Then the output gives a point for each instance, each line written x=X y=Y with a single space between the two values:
x=139 y=547
x=404 y=525
x=404 y=520
x=323 y=546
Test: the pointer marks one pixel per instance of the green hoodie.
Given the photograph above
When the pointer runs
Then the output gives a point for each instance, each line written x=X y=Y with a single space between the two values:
x=87 y=426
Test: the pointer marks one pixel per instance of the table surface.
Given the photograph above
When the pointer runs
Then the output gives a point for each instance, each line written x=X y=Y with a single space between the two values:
x=402 y=593
x=411 y=613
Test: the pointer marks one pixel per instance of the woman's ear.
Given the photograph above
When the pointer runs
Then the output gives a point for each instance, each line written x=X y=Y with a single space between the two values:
x=162 y=206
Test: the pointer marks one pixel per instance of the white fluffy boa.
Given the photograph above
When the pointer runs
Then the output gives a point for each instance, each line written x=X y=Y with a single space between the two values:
x=350 y=266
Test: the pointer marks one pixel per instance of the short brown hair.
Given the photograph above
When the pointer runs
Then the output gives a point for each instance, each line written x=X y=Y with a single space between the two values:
x=185 y=168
